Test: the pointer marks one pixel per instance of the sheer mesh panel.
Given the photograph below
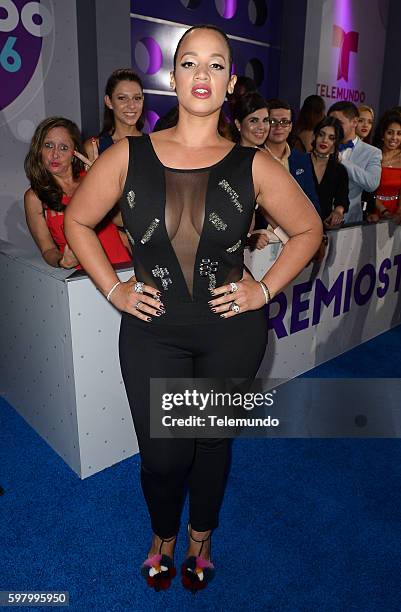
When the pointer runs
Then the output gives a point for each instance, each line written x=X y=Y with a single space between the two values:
x=184 y=217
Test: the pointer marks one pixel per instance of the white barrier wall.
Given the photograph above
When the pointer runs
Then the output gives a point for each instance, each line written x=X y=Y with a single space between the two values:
x=59 y=360
x=59 y=363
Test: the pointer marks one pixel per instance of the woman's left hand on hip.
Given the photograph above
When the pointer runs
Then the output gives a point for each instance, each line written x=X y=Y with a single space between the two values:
x=236 y=298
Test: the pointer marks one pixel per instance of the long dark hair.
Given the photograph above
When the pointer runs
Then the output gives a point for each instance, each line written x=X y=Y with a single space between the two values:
x=42 y=181
x=122 y=74
x=312 y=111
x=244 y=106
x=386 y=120
x=338 y=133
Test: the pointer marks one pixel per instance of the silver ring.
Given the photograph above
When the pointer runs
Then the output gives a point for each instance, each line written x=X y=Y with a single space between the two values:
x=138 y=304
x=138 y=287
x=233 y=287
x=234 y=307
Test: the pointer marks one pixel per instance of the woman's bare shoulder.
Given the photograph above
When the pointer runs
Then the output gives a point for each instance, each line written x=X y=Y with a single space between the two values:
x=31 y=200
x=264 y=160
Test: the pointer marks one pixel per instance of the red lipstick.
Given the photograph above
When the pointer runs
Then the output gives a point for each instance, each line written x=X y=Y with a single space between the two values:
x=201 y=91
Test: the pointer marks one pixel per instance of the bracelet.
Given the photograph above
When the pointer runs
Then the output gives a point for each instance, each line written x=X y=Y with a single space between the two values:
x=266 y=291
x=111 y=290
x=281 y=234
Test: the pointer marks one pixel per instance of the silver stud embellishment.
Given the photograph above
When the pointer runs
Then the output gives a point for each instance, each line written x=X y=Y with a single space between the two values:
x=233 y=248
x=164 y=276
x=131 y=199
x=217 y=222
x=150 y=231
x=130 y=238
x=209 y=268
x=233 y=195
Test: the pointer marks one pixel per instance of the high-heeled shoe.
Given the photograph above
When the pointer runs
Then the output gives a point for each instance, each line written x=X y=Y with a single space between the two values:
x=159 y=569
x=197 y=572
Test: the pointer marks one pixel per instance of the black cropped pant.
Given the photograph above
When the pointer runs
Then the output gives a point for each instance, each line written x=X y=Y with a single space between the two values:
x=226 y=349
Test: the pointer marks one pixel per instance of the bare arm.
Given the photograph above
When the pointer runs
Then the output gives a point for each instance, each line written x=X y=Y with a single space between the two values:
x=41 y=234
x=93 y=199
x=283 y=201
x=279 y=195
x=91 y=148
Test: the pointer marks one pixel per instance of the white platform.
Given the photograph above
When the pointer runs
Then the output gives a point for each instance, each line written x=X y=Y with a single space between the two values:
x=59 y=336
x=59 y=365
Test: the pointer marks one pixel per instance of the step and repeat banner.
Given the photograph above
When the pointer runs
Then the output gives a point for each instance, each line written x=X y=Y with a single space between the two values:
x=349 y=36
x=328 y=309
x=254 y=27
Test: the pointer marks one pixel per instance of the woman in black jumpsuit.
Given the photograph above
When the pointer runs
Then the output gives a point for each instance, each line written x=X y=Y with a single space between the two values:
x=187 y=200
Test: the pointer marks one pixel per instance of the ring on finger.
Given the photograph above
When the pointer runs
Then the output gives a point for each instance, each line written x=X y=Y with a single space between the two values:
x=234 y=307
x=233 y=287
x=138 y=287
x=138 y=305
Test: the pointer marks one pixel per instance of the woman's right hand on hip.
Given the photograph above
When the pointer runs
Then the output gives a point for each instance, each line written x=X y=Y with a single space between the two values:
x=138 y=299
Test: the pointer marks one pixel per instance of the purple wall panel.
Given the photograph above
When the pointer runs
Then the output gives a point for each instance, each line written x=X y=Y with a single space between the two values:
x=153 y=42
x=256 y=19
x=153 y=47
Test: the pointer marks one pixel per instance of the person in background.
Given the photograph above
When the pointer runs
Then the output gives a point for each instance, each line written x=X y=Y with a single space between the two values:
x=387 y=197
x=280 y=119
x=331 y=178
x=366 y=119
x=250 y=129
x=312 y=112
x=243 y=86
x=361 y=160
x=251 y=120
x=123 y=115
x=55 y=172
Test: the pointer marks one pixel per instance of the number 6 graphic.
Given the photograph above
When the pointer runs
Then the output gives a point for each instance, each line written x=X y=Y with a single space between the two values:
x=10 y=59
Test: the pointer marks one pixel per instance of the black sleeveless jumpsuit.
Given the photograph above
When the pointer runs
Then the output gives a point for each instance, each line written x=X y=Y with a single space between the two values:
x=188 y=229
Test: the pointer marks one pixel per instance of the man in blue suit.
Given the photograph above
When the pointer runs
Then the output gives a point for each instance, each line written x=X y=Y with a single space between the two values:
x=361 y=160
x=297 y=163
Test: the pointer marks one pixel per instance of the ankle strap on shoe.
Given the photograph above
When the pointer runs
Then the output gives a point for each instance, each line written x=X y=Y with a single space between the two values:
x=194 y=539
x=168 y=539
x=163 y=540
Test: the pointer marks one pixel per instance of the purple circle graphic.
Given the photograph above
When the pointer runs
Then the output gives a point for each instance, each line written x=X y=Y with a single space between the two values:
x=148 y=55
x=19 y=55
x=150 y=120
x=226 y=8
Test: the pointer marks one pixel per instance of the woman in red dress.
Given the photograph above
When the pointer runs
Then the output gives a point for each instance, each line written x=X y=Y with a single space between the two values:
x=55 y=172
x=387 y=196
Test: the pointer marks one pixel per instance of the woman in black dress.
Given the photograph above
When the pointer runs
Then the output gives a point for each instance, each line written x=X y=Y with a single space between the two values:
x=187 y=200
x=330 y=176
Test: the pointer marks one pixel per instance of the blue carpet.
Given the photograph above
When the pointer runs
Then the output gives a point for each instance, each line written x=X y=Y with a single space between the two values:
x=306 y=525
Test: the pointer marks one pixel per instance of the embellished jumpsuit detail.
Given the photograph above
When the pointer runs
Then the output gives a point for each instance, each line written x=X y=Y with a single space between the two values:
x=188 y=229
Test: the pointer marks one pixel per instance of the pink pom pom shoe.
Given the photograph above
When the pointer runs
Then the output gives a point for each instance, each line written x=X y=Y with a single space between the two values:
x=159 y=569
x=197 y=572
